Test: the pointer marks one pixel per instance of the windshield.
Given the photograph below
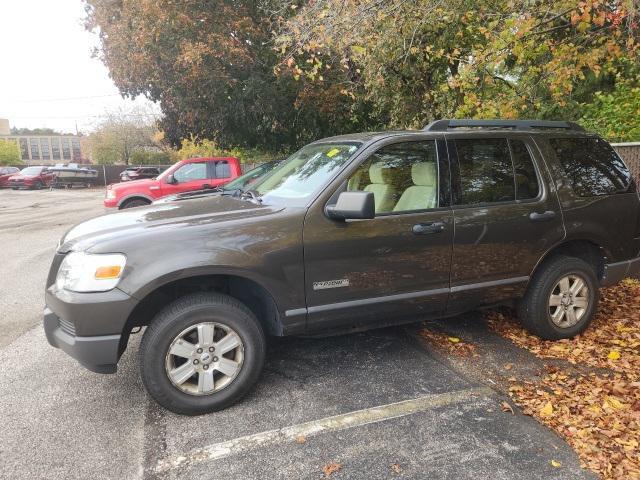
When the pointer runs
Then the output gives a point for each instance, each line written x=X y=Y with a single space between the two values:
x=249 y=179
x=170 y=170
x=31 y=171
x=294 y=181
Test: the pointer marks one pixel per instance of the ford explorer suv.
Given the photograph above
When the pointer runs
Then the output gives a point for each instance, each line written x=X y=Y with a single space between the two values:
x=184 y=176
x=33 y=178
x=361 y=230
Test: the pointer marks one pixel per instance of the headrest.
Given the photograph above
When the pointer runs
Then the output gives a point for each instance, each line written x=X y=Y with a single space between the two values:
x=424 y=174
x=379 y=173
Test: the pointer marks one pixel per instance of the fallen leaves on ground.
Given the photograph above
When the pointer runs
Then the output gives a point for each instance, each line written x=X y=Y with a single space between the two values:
x=301 y=439
x=331 y=468
x=505 y=407
x=598 y=414
x=447 y=343
x=612 y=340
x=396 y=468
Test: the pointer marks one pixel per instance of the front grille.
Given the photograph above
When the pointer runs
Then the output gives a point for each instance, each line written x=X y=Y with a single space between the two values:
x=67 y=327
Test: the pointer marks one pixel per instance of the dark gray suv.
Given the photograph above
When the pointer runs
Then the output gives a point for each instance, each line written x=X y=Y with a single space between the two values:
x=359 y=230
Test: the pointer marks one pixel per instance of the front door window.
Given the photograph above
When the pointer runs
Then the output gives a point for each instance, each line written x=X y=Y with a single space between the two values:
x=191 y=172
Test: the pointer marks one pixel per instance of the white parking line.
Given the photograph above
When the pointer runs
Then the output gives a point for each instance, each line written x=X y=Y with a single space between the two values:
x=329 y=424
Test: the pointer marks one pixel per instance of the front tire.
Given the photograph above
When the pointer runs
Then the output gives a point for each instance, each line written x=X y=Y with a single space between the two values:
x=561 y=299
x=202 y=353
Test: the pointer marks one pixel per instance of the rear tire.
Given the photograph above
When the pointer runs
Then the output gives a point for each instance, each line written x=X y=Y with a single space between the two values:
x=136 y=202
x=561 y=299
x=177 y=328
x=37 y=185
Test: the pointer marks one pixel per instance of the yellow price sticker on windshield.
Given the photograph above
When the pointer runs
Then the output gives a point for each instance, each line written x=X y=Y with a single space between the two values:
x=333 y=152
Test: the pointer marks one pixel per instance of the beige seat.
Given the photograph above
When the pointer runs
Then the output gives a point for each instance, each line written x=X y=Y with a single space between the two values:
x=423 y=193
x=383 y=192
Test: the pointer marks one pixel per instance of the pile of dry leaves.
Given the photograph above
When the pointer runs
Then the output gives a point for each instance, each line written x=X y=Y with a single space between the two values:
x=596 y=411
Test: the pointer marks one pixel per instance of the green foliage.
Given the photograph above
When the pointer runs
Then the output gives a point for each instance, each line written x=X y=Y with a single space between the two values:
x=213 y=69
x=9 y=153
x=34 y=131
x=417 y=61
x=192 y=148
x=615 y=115
x=147 y=157
x=271 y=75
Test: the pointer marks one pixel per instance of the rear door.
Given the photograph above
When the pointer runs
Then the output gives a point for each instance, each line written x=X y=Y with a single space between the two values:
x=599 y=197
x=506 y=214
x=397 y=265
x=221 y=172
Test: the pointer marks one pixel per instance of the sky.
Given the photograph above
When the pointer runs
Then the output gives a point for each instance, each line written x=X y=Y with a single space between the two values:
x=48 y=77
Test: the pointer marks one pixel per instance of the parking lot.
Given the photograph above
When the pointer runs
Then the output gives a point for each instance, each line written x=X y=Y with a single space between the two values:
x=380 y=404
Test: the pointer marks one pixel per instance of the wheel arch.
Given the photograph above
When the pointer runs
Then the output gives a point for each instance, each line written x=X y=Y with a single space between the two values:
x=587 y=249
x=134 y=196
x=247 y=290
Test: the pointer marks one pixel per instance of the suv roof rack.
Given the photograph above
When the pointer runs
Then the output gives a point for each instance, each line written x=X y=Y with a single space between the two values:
x=444 y=125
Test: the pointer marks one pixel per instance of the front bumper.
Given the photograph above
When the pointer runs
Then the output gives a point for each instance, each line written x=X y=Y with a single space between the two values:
x=98 y=354
x=21 y=184
x=110 y=203
x=614 y=272
x=88 y=326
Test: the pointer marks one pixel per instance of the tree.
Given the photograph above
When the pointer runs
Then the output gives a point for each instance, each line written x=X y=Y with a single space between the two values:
x=615 y=114
x=418 y=61
x=9 y=153
x=120 y=135
x=34 y=131
x=212 y=68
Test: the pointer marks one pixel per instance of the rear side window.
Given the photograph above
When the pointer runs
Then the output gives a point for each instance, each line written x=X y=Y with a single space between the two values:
x=592 y=166
x=222 y=170
x=486 y=171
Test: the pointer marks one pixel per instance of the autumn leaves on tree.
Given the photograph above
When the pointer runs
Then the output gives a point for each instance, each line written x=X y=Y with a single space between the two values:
x=275 y=74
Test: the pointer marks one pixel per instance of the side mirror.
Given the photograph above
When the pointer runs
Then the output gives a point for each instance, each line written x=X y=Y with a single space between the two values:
x=171 y=180
x=352 y=205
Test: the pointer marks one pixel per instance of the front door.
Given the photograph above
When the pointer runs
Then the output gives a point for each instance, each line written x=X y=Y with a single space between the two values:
x=190 y=176
x=362 y=272
x=506 y=217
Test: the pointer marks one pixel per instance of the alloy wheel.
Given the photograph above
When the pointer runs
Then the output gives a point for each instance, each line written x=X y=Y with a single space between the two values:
x=204 y=358
x=569 y=301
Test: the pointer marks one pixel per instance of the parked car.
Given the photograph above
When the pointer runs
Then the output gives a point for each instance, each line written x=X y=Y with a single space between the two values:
x=240 y=184
x=31 y=177
x=138 y=173
x=360 y=230
x=5 y=173
x=184 y=176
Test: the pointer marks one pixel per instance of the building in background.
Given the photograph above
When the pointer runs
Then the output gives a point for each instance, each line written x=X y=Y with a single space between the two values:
x=44 y=149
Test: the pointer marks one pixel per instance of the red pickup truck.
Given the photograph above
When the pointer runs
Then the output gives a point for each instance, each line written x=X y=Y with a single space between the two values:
x=184 y=176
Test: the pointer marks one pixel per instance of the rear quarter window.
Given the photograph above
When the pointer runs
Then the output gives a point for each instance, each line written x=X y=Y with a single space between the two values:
x=592 y=166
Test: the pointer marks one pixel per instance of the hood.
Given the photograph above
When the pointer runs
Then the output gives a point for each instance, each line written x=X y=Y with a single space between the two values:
x=143 y=182
x=20 y=175
x=134 y=221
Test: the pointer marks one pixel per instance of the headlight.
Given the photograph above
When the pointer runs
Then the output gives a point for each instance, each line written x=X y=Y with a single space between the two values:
x=84 y=272
x=111 y=194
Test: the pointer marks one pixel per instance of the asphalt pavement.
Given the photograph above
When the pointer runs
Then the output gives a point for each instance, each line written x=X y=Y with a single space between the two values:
x=379 y=404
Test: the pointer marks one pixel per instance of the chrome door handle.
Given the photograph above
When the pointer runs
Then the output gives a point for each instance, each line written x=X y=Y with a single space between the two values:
x=427 y=228
x=541 y=217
